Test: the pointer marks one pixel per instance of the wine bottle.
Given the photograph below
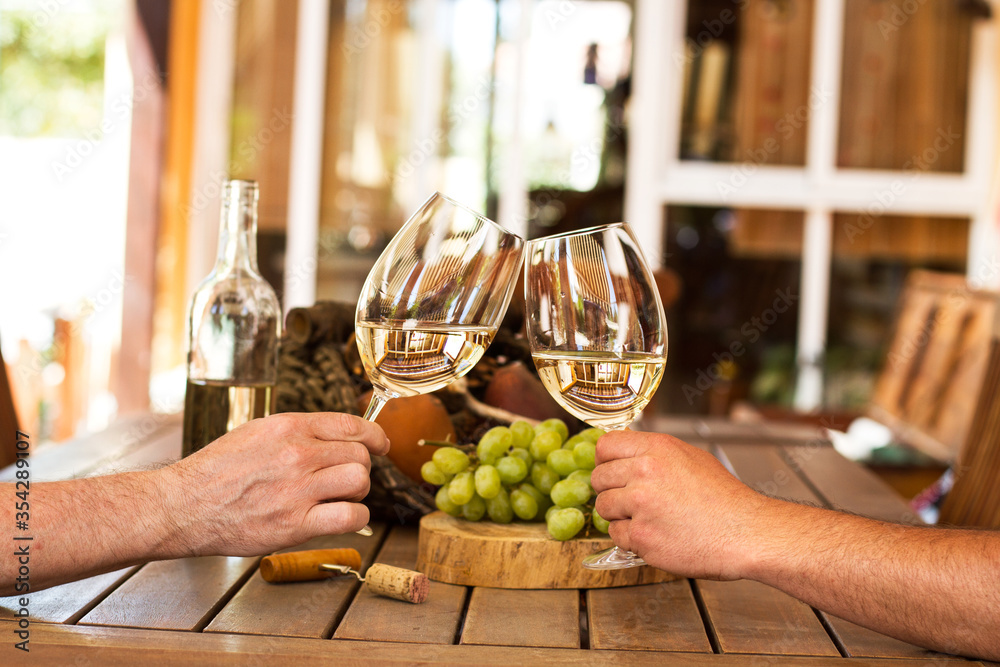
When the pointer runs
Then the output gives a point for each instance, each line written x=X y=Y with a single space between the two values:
x=234 y=327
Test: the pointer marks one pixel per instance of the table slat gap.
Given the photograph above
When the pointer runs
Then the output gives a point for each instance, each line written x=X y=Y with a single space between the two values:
x=584 y=623
x=228 y=595
x=98 y=599
x=463 y=616
x=706 y=618
x=834 y=635
x=790 y=461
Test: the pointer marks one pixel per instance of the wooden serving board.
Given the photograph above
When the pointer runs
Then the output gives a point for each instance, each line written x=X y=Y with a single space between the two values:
x=516 y=555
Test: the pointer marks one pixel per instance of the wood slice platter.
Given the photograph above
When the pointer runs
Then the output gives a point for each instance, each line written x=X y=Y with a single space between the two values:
x=516 y=555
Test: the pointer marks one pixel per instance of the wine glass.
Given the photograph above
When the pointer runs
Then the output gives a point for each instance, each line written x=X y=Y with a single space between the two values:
x=597 y=333
x=434 y=300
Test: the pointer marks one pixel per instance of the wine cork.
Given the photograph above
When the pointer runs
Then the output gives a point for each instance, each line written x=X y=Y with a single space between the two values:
x=304 y=565
x=397 y=583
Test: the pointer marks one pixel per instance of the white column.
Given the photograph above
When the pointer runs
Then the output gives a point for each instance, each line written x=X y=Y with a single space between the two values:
x=821 y=152
x=210 y=154
x=305 y=163
x=813 y=305
x=981 y=155
x=428 y=98
x=654 y=122
x=512 y=204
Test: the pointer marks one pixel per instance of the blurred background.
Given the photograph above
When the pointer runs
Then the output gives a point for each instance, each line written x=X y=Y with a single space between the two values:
x=784 y=162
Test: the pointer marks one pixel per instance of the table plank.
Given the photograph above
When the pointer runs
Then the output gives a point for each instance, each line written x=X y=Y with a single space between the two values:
x=749 y=617
x=778 y=430
x=159 y=449
x=511 y=617
x=862 y=642
x=434 y=621
x=297 y=609
x=762 y=467
x=174 y=594
x=86 y=646
x=84 y=456
x=61 y=604
x=846 y=485
x=654 y=617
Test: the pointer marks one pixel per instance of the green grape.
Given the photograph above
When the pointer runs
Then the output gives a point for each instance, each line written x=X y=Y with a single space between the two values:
x=568 y=492
x=583 y=476
x=562 y=462
x=450 y=460
x=512 y=469
x=522 y=454
x=443 y=502
x=543 y=477
x=462 y=488
x=474 y=509
x=432 y=474
x=522 y=433
x=551 y=510
x=541 y=499
x=574 y=441
x=556 y=424
x=498 y=507
x=487 y=481
x=600 y=523
x=563 y=524
x=545 y=442
x=584 y=454
x=555 y=508
x=592 y=434
x=524 y=504
x=494 y=444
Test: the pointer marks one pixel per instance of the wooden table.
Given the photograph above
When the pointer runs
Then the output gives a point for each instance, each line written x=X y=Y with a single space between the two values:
x=218 y=610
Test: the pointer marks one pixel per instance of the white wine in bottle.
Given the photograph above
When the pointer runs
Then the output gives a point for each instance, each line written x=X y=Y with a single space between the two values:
x=235 y=324
x=212 y=409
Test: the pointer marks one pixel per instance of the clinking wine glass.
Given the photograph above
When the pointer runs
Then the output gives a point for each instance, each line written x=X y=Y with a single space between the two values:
x=597 y=333
x=434 y=299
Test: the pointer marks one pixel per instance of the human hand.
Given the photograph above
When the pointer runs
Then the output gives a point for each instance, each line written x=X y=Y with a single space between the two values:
x=266 y=484
x=675 y=505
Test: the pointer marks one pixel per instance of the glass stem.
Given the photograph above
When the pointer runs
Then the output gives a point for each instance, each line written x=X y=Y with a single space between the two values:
x=376 y=405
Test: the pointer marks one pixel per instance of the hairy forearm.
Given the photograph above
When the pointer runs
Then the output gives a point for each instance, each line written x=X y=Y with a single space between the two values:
x=88 y=526
x=935 y=587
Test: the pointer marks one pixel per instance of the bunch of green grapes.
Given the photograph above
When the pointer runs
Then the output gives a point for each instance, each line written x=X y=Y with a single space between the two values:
x=531 y=473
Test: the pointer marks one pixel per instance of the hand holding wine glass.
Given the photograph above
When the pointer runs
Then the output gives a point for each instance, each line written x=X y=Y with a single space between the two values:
x=434 y=300
x=597 y=332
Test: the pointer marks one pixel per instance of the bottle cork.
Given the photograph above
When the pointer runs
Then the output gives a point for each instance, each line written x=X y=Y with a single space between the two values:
x=305 y=565
x=397 y=583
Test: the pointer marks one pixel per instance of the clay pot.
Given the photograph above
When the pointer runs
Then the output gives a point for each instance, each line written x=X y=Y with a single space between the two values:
x=407 y=420
x=516 y=389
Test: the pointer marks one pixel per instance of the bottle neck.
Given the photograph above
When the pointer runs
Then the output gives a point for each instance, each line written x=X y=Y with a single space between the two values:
x=238 y=228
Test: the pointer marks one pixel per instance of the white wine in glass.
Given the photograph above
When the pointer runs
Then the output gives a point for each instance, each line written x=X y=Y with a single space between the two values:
x=434 y=300
x=597 y=332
